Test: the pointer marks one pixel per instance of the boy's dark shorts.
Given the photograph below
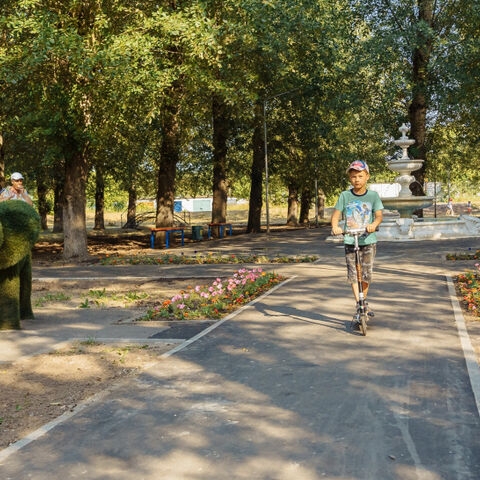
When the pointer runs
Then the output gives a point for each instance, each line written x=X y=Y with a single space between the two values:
x=367 y=256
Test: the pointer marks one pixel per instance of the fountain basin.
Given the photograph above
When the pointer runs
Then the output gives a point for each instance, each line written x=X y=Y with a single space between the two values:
x=405 y=206
x=405 y=229
x=409 y=229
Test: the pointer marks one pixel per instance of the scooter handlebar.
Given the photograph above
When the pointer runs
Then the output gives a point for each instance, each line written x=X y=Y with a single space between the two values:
x=357 y=231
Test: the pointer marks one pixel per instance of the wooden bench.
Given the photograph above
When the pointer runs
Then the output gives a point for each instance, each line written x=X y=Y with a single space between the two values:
x=221 y=229
x=168 y=231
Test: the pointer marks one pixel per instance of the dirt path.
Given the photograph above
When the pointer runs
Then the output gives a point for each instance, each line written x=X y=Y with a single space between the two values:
x=36 y=390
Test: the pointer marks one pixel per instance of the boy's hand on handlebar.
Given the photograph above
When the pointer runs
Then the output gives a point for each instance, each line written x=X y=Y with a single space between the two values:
x=371 y=227
x=337 y=230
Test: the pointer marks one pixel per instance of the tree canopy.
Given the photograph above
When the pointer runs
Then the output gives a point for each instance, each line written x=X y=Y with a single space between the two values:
x=168 y=97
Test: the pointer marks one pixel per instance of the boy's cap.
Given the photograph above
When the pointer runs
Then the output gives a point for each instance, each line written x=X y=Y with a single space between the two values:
x=16 y=176
x=358 y=165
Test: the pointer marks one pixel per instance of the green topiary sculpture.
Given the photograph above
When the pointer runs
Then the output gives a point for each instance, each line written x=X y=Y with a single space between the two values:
x=19 y=229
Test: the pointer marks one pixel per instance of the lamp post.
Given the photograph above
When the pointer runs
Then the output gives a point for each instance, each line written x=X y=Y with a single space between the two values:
x=316 y=194
x=267 y=211
x=434 y=187
x=265 y=141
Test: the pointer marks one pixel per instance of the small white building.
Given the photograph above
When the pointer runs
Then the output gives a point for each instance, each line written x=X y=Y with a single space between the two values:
x=385 y=190
x=198 y=204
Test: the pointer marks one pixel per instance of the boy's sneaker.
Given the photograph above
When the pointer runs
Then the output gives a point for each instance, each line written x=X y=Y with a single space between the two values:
x=356 y=322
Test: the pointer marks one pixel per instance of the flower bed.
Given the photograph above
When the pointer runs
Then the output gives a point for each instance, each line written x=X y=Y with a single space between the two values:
x=215 y=300
x=468 y=286
x=202 y=259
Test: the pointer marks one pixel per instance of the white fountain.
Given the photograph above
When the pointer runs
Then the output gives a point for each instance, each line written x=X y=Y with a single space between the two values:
x=406 y=203
x=404 y=225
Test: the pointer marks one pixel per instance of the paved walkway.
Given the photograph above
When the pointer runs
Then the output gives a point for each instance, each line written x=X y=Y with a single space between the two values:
x=281 y=389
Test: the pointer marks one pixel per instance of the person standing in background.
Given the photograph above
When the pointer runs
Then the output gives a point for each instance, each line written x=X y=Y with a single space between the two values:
x=449 y=210
x=16 y=191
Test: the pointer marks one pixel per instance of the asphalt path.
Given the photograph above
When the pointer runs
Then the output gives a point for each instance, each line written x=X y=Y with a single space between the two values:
x=285 y=389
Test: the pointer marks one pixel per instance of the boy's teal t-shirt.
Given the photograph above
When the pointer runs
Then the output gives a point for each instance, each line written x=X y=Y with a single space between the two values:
x=358 y=211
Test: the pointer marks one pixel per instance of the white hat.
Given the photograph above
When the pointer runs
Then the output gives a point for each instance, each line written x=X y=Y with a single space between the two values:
x=16 y=176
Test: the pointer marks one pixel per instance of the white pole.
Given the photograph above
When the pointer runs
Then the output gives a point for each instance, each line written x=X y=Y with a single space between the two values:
x=267 y=209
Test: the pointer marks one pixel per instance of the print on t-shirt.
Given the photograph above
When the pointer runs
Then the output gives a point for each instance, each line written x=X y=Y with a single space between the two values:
x=358 y=214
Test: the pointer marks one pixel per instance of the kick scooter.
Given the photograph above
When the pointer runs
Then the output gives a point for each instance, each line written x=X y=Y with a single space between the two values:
x=361 y=316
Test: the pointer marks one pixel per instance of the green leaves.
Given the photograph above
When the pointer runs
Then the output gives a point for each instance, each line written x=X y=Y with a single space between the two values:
x=100 y=75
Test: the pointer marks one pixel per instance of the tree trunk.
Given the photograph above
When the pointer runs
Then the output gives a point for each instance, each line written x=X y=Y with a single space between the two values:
x=256 y=175
x=43 y=206
x=2 y=163
x=321 y=203
x=220 y=136
x=292 y=218
x=74 y=218
x=169 y=155
x=305 y=203
x=419 y=105
x=99 y=199
x=58 y=202
x=132 y=206
x=418 y=116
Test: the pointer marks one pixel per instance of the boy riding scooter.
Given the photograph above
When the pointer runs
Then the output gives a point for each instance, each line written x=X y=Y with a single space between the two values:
x=361 y=209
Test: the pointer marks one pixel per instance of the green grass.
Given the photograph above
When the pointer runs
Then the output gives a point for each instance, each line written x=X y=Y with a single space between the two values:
x=51 y=297
x=204 y=259
x=464 y=256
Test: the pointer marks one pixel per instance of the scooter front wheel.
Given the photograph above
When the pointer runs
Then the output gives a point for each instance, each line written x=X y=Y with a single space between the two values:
x=363 y=323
